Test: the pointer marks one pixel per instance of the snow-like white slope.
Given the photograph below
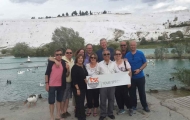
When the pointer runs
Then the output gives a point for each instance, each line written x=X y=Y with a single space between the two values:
x=37 y=32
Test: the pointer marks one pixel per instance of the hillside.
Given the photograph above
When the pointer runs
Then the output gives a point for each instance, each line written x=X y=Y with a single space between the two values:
x=37 y=32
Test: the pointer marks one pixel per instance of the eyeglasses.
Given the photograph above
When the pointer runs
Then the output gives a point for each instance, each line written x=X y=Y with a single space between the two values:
x=68 y=52
x=117 y=54
x=58 y=54
x=106 y=54
x=92 y=57
x=122 y=45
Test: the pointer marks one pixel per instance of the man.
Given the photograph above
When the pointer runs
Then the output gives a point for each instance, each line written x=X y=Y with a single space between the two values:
x=107 y=67
x=138 y=62
x=103 y=44
x=89 y=50
x=55 y=79
x=123 y=46
x=68 y=92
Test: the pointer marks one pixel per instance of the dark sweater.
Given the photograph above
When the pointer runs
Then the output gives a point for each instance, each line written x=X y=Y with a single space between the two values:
x=78 y=74
x=49 y=69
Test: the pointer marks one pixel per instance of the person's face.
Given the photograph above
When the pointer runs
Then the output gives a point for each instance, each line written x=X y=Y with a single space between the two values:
x=81 y=52
x=58 y=55
x=89 y=49
x=133 y=46
x=80 y=60
x=123 y=46
x=118 y=55
x=68 y=54
x=103 y=44
x=106 y=55
x=93 y=59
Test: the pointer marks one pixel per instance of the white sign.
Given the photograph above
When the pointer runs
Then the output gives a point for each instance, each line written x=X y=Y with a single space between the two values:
x=108 y=80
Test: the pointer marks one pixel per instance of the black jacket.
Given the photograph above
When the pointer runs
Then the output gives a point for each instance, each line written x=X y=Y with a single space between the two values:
x=49 y=68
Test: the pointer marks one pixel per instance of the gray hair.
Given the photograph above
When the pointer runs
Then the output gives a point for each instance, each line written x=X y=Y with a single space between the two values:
x=105 y=51
x=89 y=44
x=103 y=39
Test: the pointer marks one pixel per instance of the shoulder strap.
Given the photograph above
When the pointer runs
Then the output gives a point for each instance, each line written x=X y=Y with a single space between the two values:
x=125 y=65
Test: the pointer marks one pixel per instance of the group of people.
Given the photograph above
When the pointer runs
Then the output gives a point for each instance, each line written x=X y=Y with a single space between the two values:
x=65 y=76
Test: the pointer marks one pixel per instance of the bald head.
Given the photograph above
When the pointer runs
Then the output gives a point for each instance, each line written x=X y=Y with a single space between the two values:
x=133 y=46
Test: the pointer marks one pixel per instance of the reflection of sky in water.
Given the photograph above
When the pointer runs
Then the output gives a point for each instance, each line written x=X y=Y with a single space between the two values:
x=28 y=83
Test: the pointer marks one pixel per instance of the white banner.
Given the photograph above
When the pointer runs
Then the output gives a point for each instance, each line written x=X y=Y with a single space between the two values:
x=108 y=80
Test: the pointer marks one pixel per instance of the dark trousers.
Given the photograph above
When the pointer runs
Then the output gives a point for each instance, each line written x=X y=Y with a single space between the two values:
x=140 y=84
x=107 y=94
x=79 y=99
x=92 y=96
x=122 y=97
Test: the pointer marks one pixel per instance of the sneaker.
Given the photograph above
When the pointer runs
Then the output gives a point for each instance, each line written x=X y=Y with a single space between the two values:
x=134 y=108
x=68 y=114
x=121 y=111
x=64 y=115
x=111 y=116
x=102 y=118
x=146 y=109
x=130 y=112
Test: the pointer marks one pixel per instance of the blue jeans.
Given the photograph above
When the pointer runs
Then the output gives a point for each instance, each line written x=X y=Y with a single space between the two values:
x=140 y=84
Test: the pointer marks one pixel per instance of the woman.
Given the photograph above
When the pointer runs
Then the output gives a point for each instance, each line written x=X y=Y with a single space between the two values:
x=122 y=92
x=92 y=94
x=80 y=52
x=78 y=75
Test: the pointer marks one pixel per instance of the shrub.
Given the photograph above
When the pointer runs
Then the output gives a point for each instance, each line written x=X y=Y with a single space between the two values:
x=161 y=38
x=179 y=34
x=143 y=41
x=3 y=51
x=183 y=75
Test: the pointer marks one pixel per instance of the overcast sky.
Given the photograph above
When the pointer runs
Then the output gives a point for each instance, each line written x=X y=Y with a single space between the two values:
x=13 y=9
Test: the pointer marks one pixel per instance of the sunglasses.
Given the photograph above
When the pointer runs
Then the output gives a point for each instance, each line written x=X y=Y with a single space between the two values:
x=58 y=54
x=92 y=57
x=117 y=54
x=106 y=54
x=122 y=45
x=68 y=52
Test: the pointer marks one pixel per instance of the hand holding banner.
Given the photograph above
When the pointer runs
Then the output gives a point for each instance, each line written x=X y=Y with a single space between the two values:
x=108 y=80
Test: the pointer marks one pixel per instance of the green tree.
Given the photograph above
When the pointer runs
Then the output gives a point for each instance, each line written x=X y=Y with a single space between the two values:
x=67 y=38
x=86 y=13
x=173 y=51
x=59 y=16
x=20 y=50
x=3 y=51
x=143 y=41
x=179 y=49
x=67 y=14
x=104 y=12
x=80 y=13
x=91 y=13
x=63 y=14
x=159 y=52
